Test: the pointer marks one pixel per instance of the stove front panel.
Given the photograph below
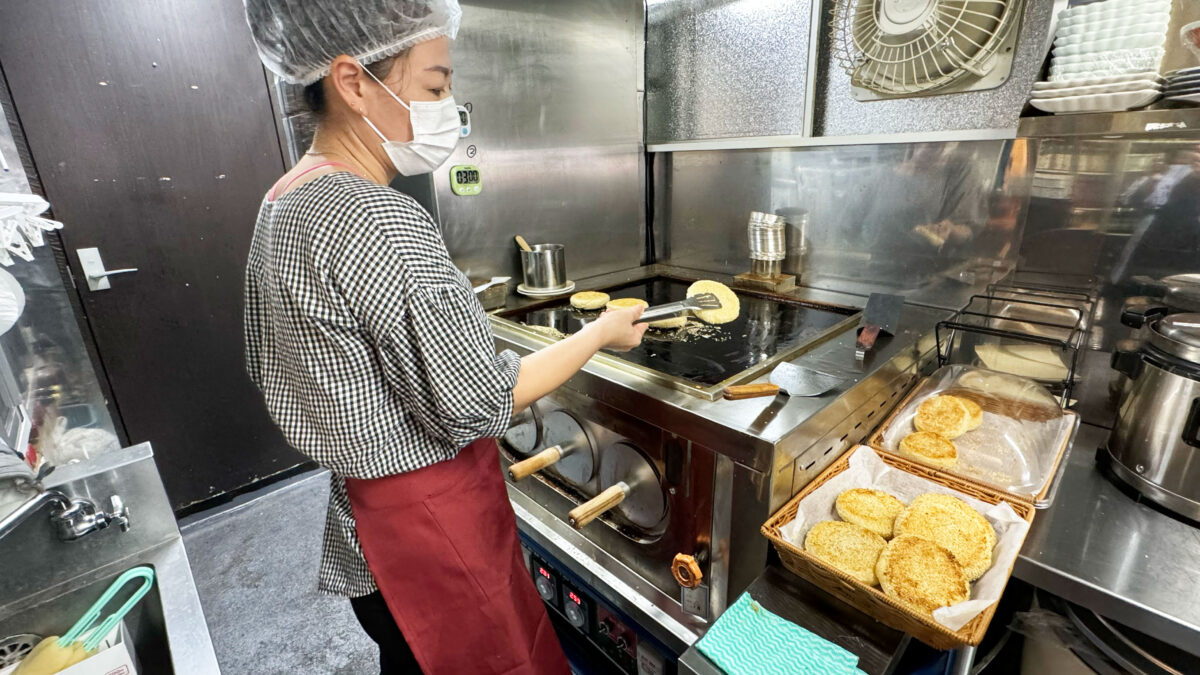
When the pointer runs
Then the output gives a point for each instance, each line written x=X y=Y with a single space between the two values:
x=687 y=474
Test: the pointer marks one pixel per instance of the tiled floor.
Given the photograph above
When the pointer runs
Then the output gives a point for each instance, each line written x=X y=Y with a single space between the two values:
x=255 y=564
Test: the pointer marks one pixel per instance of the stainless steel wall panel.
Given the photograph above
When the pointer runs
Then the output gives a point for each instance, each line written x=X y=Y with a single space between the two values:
x=839 y=114
x=722 y=68
x=865 y=206
x=556 y=132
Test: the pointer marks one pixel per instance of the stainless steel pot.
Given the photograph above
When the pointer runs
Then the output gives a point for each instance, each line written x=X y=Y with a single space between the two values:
x=1155 y=444
x=544 y=267
x=1176 y=293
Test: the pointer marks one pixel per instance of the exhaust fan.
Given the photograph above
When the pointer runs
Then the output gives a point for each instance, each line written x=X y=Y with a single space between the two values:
x=906 y=48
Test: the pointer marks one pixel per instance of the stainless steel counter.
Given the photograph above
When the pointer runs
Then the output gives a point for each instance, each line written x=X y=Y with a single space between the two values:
x=1099 y=548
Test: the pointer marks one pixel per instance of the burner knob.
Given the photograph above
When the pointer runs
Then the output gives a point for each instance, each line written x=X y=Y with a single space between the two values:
x=686 y=570
x=543 y=459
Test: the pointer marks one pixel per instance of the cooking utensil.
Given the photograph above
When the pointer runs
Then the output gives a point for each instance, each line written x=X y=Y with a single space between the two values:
x=881 y=315
x=496 y=281
x=633 y=489
x=544 y=267
x=571 y=455
x=700 y=301
x=787 y=378
x=522 y=243
x=56 y=653
x=1155 y=443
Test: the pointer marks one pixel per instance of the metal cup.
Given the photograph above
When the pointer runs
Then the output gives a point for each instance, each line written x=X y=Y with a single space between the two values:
x=544 y=268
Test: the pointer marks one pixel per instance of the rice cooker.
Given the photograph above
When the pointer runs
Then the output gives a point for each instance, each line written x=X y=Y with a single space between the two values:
x=1155 y=444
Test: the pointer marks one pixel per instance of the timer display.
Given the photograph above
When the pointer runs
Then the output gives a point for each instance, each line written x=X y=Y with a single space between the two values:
x=465 y=180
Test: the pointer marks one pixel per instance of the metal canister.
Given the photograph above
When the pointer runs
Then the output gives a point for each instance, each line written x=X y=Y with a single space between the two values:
x=544 y=267
x=797 y=237
x=768 y=243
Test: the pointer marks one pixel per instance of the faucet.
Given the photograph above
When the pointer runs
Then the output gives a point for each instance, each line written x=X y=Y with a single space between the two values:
x=72 y=518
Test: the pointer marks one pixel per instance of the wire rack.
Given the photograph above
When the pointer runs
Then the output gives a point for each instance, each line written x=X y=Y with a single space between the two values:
x=898 y=47
x=1029 y=331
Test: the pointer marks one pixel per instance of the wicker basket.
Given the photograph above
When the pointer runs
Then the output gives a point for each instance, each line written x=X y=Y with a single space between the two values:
x=1019 y=410
x=869 y=599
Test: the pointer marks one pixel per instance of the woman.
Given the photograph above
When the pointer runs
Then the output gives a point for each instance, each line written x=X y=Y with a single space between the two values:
x=376 y=359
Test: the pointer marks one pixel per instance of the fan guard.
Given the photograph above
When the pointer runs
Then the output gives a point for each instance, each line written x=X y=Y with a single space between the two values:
x=906 y=47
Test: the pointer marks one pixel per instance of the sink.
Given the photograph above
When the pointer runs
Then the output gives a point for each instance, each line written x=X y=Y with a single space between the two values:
x=145 y=623
x=48 y=583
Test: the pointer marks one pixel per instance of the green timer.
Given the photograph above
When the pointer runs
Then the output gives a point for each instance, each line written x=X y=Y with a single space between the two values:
x=465 y=180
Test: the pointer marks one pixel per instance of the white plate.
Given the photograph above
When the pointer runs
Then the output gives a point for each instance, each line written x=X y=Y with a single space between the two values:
x=1110 y=27
x=1188 y=98
x=1106 y=11
x=1097 y=102
x=1117 y=42
x=545 y=293
x=1089 y=81
x=1120 y=57
x=1087 y=90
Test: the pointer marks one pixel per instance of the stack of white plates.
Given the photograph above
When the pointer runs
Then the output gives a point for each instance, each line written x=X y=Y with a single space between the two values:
x=1183 y=85
x=1106 y=57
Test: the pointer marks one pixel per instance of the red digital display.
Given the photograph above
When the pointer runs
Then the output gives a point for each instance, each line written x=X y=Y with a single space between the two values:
x=574 y=598
x=542 y=571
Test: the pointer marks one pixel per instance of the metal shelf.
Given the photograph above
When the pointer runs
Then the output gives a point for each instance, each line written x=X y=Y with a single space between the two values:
x=1141 y=123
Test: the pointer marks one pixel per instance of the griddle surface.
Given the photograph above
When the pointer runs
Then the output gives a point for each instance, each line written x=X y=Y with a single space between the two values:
x=706 y=357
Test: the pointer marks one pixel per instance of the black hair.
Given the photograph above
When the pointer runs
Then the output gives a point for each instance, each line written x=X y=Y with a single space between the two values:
x=314 y=94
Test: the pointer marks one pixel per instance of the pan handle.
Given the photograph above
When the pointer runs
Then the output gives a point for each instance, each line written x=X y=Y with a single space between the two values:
x=526 y=467
x=738 y=392
x=597 y=506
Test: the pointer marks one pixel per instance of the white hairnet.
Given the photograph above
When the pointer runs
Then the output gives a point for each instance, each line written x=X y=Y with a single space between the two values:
x=298 y=39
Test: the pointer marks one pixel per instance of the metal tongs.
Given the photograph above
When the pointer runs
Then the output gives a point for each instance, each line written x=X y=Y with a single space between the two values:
x=700 y=301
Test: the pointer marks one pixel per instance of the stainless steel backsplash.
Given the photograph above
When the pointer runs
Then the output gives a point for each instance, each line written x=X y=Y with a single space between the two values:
x=554 y=91
x=864 y=203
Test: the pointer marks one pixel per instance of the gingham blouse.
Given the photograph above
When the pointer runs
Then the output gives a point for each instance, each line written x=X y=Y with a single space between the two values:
x=372 y=352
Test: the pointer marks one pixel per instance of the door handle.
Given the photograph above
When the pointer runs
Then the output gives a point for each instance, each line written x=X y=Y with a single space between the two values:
x=93 y=269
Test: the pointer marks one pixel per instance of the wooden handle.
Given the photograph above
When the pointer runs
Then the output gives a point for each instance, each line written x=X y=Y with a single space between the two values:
x=741 y=391
x=867 y=337
x=596 y=506
x=524 y=468
x=522 y=243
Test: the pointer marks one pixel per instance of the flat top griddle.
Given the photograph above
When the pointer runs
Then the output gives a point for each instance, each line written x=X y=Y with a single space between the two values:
x=702 y=356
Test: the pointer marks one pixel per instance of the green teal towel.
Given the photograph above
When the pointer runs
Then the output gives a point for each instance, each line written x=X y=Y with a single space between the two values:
x=749 y=640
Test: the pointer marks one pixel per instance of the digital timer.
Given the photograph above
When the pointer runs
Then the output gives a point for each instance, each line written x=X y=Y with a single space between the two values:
x=574 y=598
x=542 y=571
x=465 y=180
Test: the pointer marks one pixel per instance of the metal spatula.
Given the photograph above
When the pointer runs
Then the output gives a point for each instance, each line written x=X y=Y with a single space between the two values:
x=787 y=378
x=700 y=301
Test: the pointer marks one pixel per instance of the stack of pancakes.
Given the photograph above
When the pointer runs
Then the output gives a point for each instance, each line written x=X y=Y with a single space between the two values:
x=938 y=545
x=939 y=420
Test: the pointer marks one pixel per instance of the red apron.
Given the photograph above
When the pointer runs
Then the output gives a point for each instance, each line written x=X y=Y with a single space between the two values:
x=442 y=544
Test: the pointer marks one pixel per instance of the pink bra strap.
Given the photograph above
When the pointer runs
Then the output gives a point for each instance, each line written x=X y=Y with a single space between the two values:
x=302 y=174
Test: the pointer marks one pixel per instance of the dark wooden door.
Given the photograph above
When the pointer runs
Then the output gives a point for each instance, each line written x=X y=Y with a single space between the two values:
x=151 y=127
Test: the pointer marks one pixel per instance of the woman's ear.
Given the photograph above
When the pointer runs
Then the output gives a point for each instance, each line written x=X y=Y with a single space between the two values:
x=347 y=83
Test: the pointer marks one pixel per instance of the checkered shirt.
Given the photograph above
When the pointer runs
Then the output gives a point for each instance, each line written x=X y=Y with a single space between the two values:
x=372 y=352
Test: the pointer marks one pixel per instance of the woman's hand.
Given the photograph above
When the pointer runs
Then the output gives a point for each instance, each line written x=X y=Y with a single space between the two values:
x=547 y=369
x=617 y=329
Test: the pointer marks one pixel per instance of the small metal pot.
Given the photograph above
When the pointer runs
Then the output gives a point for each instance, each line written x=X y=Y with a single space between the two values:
x=545 y=267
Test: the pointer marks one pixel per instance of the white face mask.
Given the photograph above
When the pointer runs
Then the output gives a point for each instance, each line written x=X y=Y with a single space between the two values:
x=436 y=130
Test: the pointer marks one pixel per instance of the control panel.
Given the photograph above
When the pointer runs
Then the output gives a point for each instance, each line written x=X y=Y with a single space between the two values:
x=601 y=626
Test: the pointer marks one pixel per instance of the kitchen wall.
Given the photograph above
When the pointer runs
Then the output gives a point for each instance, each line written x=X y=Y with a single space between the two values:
x=867 y=206
x=554 y=91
